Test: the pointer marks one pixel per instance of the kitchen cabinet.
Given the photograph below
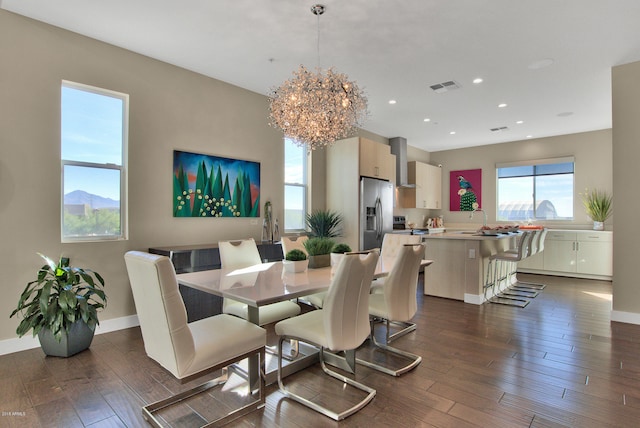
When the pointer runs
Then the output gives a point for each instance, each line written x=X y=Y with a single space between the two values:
x=578 y=253
x=428 y=191
x=376 y=160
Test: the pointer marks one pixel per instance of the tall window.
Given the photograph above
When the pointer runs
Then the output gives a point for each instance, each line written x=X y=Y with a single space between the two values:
x=295 y=186
x=536 y=190
x=94 y=128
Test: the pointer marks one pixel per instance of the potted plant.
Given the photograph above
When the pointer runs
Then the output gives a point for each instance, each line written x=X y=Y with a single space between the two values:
x=599 y=206
x=319 y=250
x=337 y=252
x=295 y=261
x=61 y=307
x=324 y=223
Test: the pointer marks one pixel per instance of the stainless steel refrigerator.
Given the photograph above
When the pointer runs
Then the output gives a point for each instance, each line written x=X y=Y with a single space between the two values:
x=376 y=211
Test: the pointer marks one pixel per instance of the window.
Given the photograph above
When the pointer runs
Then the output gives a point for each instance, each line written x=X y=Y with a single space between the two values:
x=536 y=190
x=93 y=147
x=295 y=186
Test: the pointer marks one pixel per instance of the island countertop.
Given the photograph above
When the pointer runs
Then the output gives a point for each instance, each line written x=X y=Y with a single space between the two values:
x=469 y=235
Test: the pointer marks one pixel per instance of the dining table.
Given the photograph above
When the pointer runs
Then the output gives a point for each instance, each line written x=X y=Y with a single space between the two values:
x=267 y=283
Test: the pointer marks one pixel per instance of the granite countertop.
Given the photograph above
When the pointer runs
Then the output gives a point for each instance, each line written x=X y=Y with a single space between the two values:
x=471 y=235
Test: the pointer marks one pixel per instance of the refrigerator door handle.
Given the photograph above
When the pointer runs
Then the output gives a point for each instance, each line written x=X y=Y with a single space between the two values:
x=379 y=215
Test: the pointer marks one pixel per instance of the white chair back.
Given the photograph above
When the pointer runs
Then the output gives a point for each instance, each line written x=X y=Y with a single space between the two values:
x=524 y=244
x=289 y=244
x=239 y=254
x=161 y=312
x=400 y=286
x=346 y=306
x=393 y=242
x=543 y=236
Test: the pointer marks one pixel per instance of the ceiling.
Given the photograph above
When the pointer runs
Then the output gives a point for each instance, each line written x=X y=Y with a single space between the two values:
x=548 y=60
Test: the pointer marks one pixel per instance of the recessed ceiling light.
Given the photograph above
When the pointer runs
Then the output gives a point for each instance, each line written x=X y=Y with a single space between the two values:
x=529 y=136
x=502 y=105
x=392 y=102
x=520 y=122
x=452 y=133
x=536 y=65
x=426 y=119
x=477 y=80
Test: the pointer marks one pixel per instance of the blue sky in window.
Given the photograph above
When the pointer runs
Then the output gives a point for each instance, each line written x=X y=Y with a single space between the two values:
x=91 y=131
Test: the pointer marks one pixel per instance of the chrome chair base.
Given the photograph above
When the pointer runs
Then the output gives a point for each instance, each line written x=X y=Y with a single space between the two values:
x=149 y=411
x=415 y=359
x=371 y=393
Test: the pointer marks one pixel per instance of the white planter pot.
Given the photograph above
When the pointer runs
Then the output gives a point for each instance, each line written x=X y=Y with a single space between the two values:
x=295 y=266
x=598 y=225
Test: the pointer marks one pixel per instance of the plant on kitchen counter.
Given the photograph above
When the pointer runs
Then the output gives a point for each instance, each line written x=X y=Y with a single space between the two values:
x=598 y=204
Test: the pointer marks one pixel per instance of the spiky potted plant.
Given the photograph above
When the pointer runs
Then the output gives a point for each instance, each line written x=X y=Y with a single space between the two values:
x=61 y=307
x=598 y=205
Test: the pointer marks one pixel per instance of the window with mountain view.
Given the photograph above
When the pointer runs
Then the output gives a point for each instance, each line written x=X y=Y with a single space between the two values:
x=93 y=147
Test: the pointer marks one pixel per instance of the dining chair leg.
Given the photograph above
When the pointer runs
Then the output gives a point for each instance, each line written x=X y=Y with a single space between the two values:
x=415 y=360
x=371 y=393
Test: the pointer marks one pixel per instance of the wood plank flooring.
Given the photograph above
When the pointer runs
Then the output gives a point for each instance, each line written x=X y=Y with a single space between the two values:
x=558 y=362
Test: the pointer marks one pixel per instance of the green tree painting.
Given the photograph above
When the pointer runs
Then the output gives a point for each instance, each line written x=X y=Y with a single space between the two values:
x=213 y=186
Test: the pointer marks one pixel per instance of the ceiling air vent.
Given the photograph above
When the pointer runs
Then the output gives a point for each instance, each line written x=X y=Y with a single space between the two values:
x=499 y=129
x=445 y=86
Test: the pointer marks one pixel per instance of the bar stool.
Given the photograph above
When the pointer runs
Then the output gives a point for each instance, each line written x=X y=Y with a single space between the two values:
x=539 y=247
x=502 y=268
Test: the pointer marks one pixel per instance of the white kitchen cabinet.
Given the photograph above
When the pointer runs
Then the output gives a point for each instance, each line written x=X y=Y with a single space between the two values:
x=376 y=160
x=580 y=253
x=428 y=191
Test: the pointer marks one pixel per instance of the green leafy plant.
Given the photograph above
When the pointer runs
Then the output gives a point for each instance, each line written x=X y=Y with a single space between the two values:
x=598 y=204
x=59 y=297
x=295 y=255
x=317 y=246
x=341 y=248
x=324 y=223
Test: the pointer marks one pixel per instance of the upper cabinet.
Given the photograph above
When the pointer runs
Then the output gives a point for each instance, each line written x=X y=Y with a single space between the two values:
x=428 y=191
x=376 y=160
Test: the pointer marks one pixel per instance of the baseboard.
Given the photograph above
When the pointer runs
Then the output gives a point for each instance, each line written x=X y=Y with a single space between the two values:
x=626 y=317
x=474 y=299
x=23 y=343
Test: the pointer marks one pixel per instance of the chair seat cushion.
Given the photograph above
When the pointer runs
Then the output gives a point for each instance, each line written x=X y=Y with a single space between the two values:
x=316 y=299
x=220 y=338
x=267 y=314
x=308 y=327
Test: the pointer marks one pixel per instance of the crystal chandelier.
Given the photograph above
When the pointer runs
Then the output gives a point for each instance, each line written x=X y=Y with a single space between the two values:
x=318 y=108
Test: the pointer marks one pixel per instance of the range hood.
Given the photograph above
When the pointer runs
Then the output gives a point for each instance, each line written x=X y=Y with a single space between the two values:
x=399 y=148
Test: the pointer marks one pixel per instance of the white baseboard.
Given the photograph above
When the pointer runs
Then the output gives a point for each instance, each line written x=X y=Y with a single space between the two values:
x=474 y=299
x=626 y=317
x=10 y=346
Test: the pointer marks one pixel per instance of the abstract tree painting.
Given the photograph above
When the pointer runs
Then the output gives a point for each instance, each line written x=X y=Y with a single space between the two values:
x=213 y=186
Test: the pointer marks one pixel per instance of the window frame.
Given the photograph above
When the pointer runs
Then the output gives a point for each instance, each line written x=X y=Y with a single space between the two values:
x=304 y=186
x=124 y=212
x=534 y=164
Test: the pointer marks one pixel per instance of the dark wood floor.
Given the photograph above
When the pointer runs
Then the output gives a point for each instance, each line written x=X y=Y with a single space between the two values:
x=557 y=362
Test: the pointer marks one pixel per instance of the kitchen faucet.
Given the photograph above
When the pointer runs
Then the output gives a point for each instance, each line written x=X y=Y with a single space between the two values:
x=484 y=215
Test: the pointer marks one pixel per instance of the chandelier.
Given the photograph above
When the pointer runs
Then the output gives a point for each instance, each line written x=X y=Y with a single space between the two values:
x=316 y=109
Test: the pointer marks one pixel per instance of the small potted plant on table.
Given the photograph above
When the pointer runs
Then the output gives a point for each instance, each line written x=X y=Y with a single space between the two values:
x=61 y=307
x=319 y=250
x=337 y=252
x=295 y=261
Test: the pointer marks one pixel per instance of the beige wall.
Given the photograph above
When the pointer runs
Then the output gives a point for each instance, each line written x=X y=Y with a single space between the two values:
x=593 y=169
x=626 y=154
x=170 y=108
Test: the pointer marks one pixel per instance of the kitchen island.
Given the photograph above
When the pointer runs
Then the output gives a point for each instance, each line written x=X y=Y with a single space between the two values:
x=461 y=260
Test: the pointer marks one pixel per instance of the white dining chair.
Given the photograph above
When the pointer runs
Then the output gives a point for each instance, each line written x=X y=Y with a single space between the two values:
x=289 y=244
x=392 y=243
x=188 y=350
x=242 y=254
x=341 y=325
x=398 y=304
